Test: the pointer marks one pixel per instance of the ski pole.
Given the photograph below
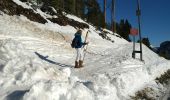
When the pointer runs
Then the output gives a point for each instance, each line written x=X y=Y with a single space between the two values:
x=84 y=45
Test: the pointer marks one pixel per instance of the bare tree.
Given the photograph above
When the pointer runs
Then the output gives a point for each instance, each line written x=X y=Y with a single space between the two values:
x=104 y=12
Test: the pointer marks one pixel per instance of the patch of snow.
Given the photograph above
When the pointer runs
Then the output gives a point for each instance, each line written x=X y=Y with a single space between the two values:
x=75 y=18
x=22 y=4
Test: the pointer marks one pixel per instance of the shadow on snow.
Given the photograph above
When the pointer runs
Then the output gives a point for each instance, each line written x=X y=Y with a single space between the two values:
x=16 y=95
x=50 y=61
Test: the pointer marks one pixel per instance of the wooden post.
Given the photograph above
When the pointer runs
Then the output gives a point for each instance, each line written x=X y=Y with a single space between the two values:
x=133 y=54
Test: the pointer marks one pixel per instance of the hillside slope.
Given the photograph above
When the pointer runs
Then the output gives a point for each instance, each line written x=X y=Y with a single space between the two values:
x=37 y=63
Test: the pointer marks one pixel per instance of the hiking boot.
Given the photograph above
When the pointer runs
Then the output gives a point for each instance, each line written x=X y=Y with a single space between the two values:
x=76 y=64
x=80 y=63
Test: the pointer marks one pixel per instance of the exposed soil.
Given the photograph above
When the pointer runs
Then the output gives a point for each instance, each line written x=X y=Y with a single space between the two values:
x=11 y=8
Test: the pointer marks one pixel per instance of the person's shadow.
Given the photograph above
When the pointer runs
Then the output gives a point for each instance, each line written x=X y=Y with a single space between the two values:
x=17 y=95
x=45 y=58
x=168 y=98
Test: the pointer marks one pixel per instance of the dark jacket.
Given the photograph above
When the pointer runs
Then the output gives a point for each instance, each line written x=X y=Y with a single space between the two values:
x=79 y=41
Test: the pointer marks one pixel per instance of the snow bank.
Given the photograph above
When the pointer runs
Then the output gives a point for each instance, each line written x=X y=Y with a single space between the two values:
x=22 y=65
x=42 y=81
x=53 y=90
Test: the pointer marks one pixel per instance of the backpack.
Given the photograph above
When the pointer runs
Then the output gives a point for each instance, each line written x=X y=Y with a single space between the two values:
x=74 y=43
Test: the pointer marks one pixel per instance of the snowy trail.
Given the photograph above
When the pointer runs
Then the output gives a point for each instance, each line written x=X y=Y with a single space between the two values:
x=95 y=64
x=108 y=61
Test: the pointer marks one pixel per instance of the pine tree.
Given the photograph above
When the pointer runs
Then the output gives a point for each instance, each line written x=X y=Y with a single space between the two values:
x=88 y=9
x=73 y=6
x=70 y=6
x=146 y=42
x=94 y=13
x=80 y=8
x=123 y=29
x=58 y=4
x=127 y=28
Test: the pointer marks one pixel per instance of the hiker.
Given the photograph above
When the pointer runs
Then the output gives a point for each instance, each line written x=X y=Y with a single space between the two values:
x=79 y=49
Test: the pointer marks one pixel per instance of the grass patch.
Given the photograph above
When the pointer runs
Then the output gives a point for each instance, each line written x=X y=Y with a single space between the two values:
x=143 y=95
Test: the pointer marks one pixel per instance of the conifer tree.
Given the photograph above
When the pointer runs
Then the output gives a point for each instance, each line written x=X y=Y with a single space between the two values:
x=146 y=42
x=123 y=29
x=94 y=13
x=80 y=8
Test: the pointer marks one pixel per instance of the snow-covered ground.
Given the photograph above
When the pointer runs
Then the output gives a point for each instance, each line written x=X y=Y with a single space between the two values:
x=37 y=63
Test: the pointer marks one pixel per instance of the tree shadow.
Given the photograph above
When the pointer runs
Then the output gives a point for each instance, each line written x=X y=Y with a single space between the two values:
x=45 y=58
x=16 y=95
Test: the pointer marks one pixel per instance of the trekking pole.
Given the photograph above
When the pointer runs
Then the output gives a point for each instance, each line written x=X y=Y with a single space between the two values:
x=84 y=45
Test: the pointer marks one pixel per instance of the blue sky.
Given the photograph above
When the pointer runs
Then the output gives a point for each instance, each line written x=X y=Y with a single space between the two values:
x=155 y=17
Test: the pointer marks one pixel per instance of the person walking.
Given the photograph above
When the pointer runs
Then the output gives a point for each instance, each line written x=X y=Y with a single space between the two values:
x=79 y=49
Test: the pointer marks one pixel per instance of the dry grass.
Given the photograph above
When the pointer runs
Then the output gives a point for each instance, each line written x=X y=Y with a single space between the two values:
x=164 y=78
x=143 y=94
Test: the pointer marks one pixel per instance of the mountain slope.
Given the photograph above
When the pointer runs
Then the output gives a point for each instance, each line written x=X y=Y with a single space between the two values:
x=36 y=62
